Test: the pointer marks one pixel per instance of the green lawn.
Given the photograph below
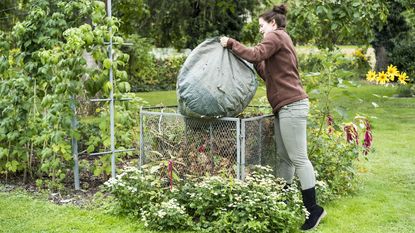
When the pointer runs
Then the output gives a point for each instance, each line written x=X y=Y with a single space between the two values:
x=20 y=212
x=384 y=203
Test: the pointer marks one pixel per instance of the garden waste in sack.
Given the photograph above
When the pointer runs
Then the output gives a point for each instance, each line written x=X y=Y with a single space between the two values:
x=213 y=82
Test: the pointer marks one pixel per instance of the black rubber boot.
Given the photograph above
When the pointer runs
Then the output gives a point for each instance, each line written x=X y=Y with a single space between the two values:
x=316 y=211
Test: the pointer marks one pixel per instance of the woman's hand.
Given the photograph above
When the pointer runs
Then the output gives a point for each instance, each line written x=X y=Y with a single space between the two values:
x=224 y=41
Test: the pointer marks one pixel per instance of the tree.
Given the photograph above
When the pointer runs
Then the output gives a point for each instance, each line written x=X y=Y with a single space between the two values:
x=390 y=35
x=363 y=22
x=330 y=22
x=11 y=11
x=185 y=23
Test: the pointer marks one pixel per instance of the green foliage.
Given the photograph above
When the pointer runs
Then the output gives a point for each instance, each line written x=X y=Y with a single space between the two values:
x=131 y=13
x=394 y=27
x=11 y=12
x=36 y=137
x=334 y=161
x=41 y=79
x=403 y=57
x=327 y=23
x=142 y=65
x=147 y=72
x=406 y=91
x=182 y=23
x=346 y=67
x=394 y=38
x=168 y=71
x=210 y=204
x=333 y=157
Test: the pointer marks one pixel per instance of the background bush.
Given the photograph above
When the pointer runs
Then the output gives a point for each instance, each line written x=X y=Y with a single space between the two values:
x=146 y=72
x=348 y=67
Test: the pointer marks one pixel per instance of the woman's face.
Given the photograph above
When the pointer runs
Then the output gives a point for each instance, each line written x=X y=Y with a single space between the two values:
x=265 y=27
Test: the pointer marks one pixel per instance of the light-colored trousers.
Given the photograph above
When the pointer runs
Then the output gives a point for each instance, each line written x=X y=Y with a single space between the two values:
x=291 y=138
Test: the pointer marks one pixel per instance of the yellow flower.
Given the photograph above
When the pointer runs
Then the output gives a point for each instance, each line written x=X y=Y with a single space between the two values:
x=358 y=53
x=392 y=72
x=371 y=76
x=382 y=78
x=403 y=78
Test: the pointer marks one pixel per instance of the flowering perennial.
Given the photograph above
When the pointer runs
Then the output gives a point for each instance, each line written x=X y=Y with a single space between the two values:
x=352 y=133
x=382 y=78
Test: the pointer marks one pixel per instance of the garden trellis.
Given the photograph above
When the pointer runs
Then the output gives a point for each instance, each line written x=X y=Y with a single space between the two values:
x=111 y=101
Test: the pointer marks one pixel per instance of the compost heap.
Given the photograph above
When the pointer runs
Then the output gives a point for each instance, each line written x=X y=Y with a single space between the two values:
x=213 y=82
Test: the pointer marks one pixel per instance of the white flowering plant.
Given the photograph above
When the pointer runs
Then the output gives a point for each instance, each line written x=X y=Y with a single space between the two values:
x=135 y=190
x=261 y=203
x=168 y=214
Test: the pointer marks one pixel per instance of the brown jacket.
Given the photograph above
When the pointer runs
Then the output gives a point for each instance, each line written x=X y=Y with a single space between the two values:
x=276 y=63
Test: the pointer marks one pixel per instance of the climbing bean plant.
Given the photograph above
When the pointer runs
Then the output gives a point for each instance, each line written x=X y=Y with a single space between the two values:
x=43 y=74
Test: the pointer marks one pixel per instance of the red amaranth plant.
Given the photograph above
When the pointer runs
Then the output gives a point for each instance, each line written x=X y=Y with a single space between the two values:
x=367 y=142
x=330 y=124
x=351 y=133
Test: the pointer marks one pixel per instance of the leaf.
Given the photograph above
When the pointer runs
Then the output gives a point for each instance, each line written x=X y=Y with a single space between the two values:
x=27 y=43
x=107 y=63
x=12 y=165
x=107 y=87
x=375 y=104
x=342 y=112
x=97 y=171
x=90 y=148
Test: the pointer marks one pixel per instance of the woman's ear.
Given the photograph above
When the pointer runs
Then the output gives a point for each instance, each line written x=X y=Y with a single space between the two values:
x=273 y=23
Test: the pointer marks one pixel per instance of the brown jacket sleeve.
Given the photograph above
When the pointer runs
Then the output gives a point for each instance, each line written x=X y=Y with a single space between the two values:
x=268 y=46
x=260 y=69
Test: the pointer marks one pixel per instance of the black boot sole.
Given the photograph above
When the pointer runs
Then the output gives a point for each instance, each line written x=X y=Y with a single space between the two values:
x=318 y=220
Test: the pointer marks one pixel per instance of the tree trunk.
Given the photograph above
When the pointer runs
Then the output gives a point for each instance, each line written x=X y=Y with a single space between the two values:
x=381 y=58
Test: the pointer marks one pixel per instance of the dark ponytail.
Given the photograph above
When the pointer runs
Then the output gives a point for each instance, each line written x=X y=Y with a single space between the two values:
x=277 y=13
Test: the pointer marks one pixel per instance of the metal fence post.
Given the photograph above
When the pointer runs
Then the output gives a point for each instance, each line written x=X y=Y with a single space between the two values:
x=112 y=137
x=242 y=146
x=74 y=126
x=140 y=163
x=238 y=149
x=260 y=141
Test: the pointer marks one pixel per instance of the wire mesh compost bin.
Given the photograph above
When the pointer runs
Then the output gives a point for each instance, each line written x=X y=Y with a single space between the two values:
x=197 y=147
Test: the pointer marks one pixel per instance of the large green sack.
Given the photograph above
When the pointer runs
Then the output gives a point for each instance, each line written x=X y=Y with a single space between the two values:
x=213 y=82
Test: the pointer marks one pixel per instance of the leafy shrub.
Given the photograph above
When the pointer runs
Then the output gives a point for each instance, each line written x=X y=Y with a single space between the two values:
x=212 y=204
x=168 y=214
x=334 y=162
x=347 y=67
x=406 y=91
x=403 y=56
x=42 y=78
x=168 y=70
x=142 y=67
x=148 y=73
x=334 y=157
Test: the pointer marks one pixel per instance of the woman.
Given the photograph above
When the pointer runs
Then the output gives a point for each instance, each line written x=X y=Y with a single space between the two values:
x=276 y=62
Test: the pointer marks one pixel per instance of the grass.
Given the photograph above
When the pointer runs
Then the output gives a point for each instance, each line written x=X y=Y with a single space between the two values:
x=20 y=212
x=386 y=200
x=384 y=203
